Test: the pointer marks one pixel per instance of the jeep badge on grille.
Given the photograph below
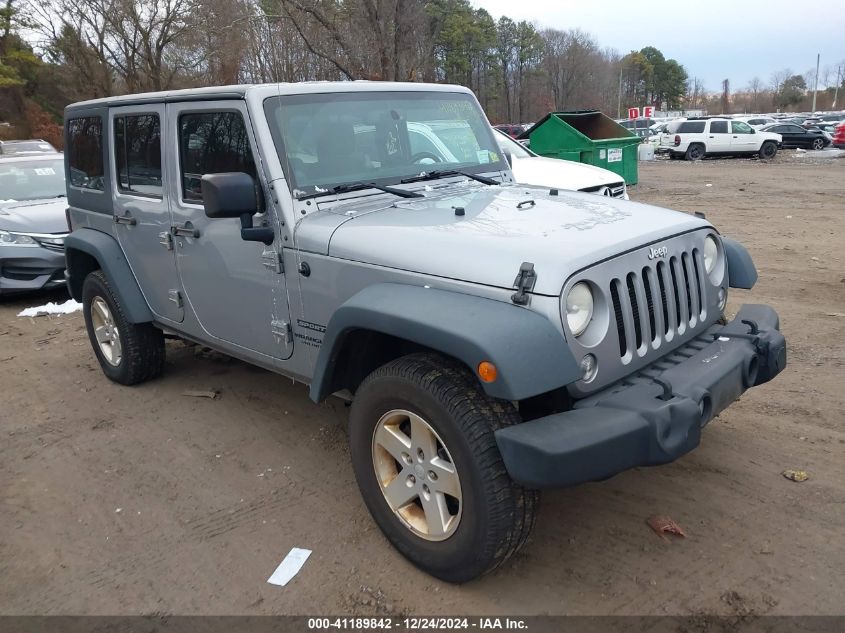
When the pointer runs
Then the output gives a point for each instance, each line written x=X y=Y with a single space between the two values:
x=654 y=253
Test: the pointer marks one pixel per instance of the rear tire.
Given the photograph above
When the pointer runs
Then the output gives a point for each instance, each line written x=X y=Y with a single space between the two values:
x=128 y=353
x=695 y=151
x=768 y=150
x=487 y=516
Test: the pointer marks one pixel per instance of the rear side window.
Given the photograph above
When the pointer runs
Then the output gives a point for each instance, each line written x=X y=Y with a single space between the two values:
x=137 y=154
x=718 y=127
x=691 y=127
x=85 y=152
x=211 y=143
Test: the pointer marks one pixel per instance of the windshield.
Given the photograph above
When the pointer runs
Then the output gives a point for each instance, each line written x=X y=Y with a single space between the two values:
x=32 y=180
x=326 y=140
x=511 y=147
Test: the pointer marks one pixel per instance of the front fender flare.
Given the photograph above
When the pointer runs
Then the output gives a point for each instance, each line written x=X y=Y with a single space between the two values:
x=531 y=356
x=105 y=249
x=741 y=270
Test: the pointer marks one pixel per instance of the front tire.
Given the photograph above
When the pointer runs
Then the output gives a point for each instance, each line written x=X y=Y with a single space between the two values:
x=768 y=150
x=427 y=463
x=818 y=143
x=128 y=353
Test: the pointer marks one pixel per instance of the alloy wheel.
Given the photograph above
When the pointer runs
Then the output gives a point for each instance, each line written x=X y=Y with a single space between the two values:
x=417 y=475
x=106 y=332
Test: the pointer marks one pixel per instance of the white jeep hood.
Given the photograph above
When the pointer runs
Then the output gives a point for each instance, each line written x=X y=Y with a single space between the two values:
x=501 y=228
x=563 y=174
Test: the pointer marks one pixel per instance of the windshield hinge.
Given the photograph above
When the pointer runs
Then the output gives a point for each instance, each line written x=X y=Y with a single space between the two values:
x=524 y=283
x=273 y=260
x=281 y=331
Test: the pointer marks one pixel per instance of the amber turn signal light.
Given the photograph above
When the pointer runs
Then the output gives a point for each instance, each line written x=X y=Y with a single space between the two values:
x=487 y=371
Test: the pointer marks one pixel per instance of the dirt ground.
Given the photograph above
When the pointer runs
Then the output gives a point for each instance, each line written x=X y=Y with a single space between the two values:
x=117 y=500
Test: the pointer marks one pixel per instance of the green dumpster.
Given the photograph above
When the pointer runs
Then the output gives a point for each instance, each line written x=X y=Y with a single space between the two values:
x=586 y=136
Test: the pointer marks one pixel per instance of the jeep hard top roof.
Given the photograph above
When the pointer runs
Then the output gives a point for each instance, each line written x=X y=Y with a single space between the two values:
x=215 y=93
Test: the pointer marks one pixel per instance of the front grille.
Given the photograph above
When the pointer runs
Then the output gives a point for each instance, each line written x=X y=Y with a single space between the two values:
x=654 y=304
x=614 y=190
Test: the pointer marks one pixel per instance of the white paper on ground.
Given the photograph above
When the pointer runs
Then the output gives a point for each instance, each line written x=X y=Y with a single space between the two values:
x=289 y=567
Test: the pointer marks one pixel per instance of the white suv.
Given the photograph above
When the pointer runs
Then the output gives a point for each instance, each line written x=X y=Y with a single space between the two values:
x=696 y=138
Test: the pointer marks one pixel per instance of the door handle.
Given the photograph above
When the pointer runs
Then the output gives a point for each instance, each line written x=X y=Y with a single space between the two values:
x=125 y=219
x=184 y=230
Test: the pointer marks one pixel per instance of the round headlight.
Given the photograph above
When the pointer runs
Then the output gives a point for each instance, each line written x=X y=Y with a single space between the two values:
x=711 y=253
x=579 y=308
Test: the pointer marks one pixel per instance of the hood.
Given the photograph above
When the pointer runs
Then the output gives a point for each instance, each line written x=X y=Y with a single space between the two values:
x=562 y=174
x=34 y=216
x=501 y=228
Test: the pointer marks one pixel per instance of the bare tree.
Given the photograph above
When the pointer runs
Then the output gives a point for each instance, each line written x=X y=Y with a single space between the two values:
x=778 y=77
x=754 y=88
x=140 y=44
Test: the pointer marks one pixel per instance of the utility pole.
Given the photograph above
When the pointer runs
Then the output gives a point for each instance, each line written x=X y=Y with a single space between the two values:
x=838 y=81
x=816 y=82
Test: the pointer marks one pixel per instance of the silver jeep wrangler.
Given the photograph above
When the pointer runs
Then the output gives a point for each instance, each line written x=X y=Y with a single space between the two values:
x=368 y=239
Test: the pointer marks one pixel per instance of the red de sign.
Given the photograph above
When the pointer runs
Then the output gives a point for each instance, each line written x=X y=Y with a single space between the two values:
x=648 y=112
x=633 y=113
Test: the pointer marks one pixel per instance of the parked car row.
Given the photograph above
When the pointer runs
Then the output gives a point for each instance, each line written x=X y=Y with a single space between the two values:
x=512 y=129
x=694 y=138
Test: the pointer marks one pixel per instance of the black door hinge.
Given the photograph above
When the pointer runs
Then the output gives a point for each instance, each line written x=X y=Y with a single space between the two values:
x=524 y=283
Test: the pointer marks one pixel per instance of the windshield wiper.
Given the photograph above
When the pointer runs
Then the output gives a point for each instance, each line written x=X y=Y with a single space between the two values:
x=359 y=186
x=442 y=173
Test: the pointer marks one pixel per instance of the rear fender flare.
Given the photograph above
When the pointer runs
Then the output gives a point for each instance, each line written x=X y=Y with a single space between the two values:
x=84 y=244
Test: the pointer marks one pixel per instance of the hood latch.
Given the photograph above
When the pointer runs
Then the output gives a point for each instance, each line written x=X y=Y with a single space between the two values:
x=524 y=283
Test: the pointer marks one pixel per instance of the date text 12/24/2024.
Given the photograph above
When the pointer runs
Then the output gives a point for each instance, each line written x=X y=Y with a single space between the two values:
x=415 y=624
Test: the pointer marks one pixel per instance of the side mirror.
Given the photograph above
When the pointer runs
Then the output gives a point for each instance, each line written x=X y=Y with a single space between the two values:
x=229 y=195
x=232 y=195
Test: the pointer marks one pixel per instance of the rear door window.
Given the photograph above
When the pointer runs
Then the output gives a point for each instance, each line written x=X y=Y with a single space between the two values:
x=718 y=127
x=137 y=153
x=691 y=127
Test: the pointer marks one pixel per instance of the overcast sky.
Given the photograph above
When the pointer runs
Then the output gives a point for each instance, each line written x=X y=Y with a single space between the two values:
x=714 y=40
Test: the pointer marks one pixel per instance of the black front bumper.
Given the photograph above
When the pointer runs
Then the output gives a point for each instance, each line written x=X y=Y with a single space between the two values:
x=653 y=417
